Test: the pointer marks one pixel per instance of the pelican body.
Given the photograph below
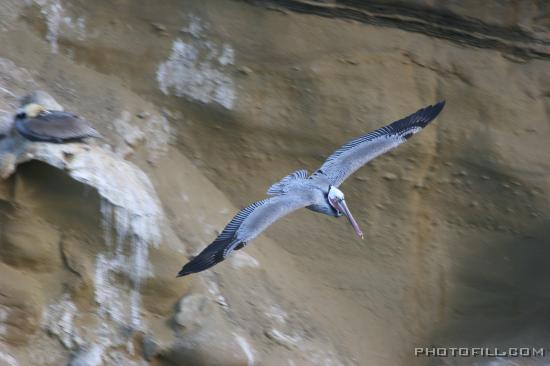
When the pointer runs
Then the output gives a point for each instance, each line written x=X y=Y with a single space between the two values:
x=36 y=123
x=318 y=192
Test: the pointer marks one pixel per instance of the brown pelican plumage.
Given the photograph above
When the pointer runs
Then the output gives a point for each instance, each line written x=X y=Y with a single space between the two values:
x=318 y=192
x=36 y=123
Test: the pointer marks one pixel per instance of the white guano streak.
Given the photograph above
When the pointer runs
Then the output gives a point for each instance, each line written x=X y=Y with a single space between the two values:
x=247 y=349
x=58 y=22
x=197 y=69
x=131 y=218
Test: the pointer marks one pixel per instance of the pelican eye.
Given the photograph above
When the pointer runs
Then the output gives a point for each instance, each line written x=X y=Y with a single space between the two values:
x=20 y=113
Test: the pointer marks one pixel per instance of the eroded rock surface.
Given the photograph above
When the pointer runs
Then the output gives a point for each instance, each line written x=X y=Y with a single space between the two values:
x=203 y=106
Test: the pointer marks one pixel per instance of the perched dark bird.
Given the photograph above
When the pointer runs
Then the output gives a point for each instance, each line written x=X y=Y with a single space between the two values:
x=36 y=123
x=318 y=192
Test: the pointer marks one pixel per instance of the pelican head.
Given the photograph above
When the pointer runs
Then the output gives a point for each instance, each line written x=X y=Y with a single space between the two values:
x=30 y=110
x=336 y=200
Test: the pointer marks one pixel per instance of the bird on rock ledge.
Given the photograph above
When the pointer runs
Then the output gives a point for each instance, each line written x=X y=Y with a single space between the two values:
x=36 y=123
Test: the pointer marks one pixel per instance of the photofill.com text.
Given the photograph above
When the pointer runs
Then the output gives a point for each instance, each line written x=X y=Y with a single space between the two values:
x=479 y=352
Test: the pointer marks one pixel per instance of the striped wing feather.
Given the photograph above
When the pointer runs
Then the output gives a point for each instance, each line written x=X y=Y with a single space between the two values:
x=245 y=226
x=357 y=152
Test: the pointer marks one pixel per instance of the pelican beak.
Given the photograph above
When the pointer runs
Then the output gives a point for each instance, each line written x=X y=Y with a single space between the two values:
x=343 y=208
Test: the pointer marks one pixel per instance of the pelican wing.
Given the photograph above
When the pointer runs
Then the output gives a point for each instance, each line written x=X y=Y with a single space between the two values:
x=55 y=126
x=245 y=226
x=357 y=152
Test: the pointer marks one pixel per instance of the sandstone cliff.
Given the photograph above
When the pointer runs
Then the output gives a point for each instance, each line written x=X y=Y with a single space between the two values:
x=206 y=104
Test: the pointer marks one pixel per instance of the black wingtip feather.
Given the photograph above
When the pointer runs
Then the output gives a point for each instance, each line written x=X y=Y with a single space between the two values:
x=209 y=257
x=223 y=245
x=186 y=270
x=437 y=108
x=420 y=118
x=183 y=273
x=427 y=114
x=195 y=265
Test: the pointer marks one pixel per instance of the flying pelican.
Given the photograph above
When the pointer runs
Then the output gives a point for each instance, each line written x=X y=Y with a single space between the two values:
x=36 y=123
x=318 y=192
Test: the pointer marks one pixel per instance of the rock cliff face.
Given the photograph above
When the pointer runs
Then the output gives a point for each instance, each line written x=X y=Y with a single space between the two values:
x=204 y=105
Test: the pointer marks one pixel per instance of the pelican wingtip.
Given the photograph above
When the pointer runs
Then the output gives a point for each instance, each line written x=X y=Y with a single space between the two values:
x=182 y=273
x=439 y=105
